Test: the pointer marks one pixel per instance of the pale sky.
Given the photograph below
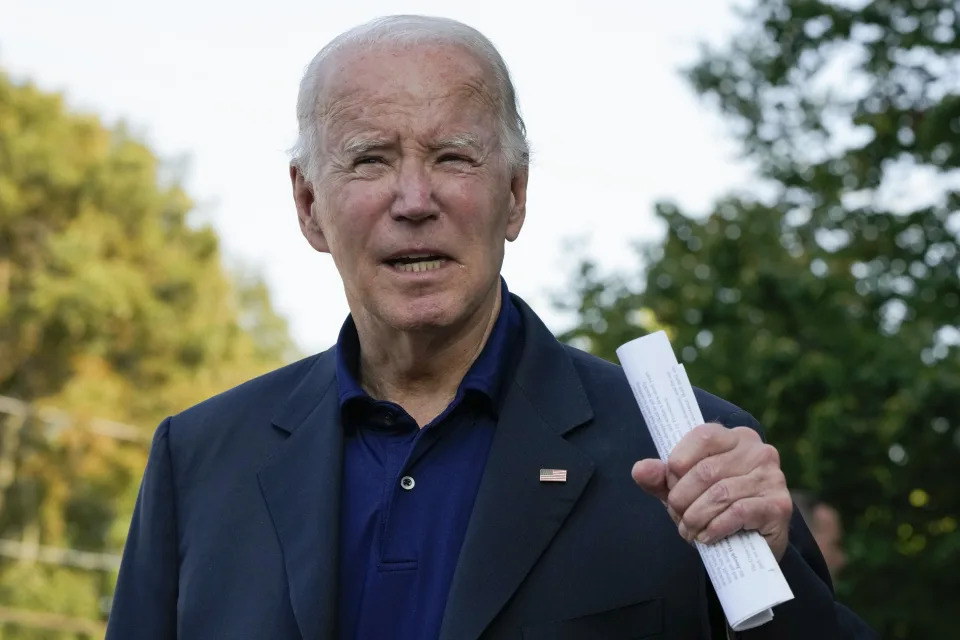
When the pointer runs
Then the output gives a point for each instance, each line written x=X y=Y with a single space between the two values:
x=612 y=125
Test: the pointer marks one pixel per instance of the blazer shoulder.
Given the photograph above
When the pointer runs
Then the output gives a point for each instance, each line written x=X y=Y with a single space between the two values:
x=595 y=371
x=606 y=381
x=716 y=409
x=255 y=400
x=605 y=385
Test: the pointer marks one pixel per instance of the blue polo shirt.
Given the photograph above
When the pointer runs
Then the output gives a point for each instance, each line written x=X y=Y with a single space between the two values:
x=407 y=492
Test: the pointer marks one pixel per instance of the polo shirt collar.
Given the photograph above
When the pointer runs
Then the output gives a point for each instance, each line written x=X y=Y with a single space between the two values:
x=487 y=375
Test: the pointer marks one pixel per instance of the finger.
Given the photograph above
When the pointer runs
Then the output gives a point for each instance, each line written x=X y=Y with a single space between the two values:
x=701 y=442
x=718 y=498
x=650 y=474
x=762 y=514
x=739 y=461
x=673 y=514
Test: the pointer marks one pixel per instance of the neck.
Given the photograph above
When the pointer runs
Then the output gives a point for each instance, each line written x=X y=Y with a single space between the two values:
x=422 y=370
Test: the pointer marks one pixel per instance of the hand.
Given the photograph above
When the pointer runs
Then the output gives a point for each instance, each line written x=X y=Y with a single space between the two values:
x=718 y=481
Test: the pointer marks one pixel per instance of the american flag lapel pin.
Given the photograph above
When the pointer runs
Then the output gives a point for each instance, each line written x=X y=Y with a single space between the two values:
x=553 y=475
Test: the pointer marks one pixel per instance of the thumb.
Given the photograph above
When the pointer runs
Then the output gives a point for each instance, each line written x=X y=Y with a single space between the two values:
x=651 y=475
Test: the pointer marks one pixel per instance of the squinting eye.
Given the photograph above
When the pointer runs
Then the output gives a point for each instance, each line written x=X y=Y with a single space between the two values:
x=450 y=157
x=368 y=160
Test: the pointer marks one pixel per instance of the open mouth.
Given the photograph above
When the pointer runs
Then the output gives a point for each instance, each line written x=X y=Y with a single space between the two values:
x=417 y=263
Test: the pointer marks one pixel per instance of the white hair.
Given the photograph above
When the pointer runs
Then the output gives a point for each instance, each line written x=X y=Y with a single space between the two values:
x=408 y=30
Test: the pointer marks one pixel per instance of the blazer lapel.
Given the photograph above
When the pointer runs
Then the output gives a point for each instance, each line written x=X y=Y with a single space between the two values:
x=301 y=486
x=515 y=515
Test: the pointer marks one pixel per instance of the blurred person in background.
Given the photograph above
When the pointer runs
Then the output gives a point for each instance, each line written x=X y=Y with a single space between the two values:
x=449 y=469
x=826 y=527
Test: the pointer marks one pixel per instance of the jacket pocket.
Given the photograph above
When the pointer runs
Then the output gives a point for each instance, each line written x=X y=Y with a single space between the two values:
x=640 y=620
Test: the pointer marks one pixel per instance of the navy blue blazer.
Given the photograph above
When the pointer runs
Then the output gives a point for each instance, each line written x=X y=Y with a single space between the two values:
x=235 y=530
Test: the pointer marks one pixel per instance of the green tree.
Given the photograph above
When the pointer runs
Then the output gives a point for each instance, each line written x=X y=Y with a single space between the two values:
x=827 y=302
x=113 y=304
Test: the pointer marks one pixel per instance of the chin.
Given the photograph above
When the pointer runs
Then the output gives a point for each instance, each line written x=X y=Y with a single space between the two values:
x=414 y=320
x=438 y=310
x=418 y=315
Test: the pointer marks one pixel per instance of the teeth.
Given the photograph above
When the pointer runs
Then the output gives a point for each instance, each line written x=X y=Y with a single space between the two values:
x=423 y=265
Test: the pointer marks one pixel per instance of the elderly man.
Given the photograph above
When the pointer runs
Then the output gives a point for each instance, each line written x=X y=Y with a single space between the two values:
x=448 y=469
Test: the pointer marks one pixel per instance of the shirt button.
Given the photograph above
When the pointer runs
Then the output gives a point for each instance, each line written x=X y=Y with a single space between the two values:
x=389 y=419
x=407 y=482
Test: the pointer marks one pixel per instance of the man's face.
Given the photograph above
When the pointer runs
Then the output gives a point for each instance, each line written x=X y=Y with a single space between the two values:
x=829 y=536
x=414 y=197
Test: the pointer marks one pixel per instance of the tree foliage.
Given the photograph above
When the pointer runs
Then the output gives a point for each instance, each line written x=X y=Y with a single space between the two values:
x=827 y=301
x=113 y=304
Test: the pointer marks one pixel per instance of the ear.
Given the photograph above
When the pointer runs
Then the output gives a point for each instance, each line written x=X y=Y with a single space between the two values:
x=518 y=203
x=304 y=199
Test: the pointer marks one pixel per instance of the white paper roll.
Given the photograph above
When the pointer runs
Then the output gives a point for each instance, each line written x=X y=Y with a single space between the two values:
x=744 y=573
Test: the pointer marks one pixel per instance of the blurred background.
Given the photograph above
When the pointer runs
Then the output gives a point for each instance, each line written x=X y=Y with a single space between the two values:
x=774 y=182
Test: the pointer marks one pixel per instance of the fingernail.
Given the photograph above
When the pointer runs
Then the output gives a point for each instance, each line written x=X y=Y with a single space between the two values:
x=682 y=529
x=703 y=538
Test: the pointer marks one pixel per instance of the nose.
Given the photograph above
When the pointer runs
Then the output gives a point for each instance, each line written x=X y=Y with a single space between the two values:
x=413 y=196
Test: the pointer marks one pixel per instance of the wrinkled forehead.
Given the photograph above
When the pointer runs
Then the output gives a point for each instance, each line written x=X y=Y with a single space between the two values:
x=412 y=79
